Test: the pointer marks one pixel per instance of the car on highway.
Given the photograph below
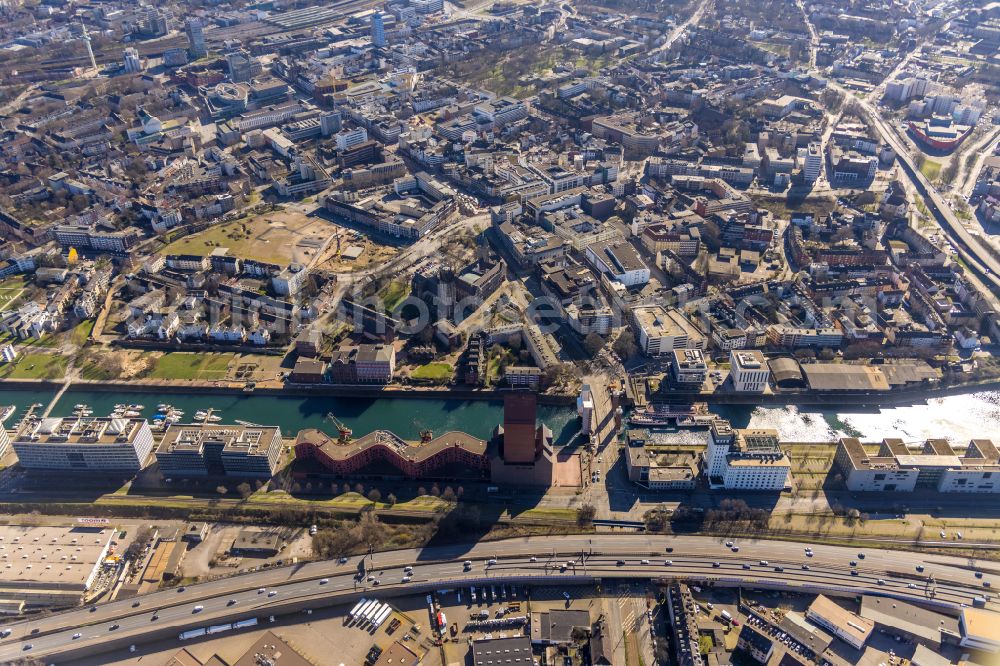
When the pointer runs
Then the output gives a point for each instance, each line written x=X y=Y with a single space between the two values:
x=154 y=617
x=467 y=564
x=231 y=602
x=979 y=574
x=93 y=609
x=763 y=563
x=854 y=563
x=861 y=556
x=729 y=544
x=644 y=562
x=197 y=609
x=342 y=560
x=492 y=561
x=533 y=559
x=324 y=581
x=911 y=586
x=272 y=593
x=920 y=568
x=805 y=567
x=261 y=590
x=77 y=635
x=746 y=566
x=779 y=569
x=668 y=563
x=620 y=563
x=27 y=646
x=114 y=626
x=181 y=588
x=135 y=604
x=716 y=565
x=854 y=572
x=735 y=549
x=4 y=633
x=881 y=581
x=406 y=579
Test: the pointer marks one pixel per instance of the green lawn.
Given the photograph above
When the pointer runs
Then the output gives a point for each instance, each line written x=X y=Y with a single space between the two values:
x=394 y=294
x=255 y=238
x=35 y=365
x=10 y=289
x=81 y=333
x=930 y=169
x=433 y=371
x=184 y=365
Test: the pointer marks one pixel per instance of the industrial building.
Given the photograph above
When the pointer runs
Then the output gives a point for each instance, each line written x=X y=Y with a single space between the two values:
x=49 y=566
x=842 y=623
x=647 y=469
x=220 y=450
x=895 y=468
x=102 y=445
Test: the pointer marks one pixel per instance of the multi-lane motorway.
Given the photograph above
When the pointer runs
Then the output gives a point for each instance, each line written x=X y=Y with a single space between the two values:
x=941 y=580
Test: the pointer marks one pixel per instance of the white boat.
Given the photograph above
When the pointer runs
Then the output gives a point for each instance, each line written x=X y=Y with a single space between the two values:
x=79 y=406
x=137 y=407
x=132 y=413
x=213 y=418
x=201 y=412
x=163 y=407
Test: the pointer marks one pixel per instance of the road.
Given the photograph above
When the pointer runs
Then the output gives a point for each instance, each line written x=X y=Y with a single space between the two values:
x=676 y=33
x=525 y=560
x=976 y=257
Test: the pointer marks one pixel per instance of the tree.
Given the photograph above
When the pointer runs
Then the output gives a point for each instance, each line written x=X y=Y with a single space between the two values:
x=448 y=494
x=142 y=537
x=585 y=515
x=826 y=354
x=435 y=491
x=374 y=495
x=625 y=345
x=391 y=500
x=359 y=489
x=222 y=490
x=592 y=344
x=244 y=490
x=346 y=488
x=421 y=491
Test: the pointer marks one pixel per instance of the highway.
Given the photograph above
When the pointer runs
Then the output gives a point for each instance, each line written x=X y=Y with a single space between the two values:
x=543 y=560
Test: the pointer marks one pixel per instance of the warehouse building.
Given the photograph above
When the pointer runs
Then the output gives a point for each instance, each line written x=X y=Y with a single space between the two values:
x=842 y=623
x=49 y=566
x=102 y=445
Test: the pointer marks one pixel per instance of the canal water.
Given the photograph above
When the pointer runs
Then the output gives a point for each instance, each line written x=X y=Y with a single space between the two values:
x=958 y=418
x=404 y=417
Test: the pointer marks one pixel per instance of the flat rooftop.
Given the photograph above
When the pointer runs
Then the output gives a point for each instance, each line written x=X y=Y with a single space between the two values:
x=192 y=437
x=80 y=431
x=46 y=556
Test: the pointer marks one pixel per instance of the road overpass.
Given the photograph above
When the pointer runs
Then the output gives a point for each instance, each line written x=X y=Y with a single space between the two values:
x=945 y=582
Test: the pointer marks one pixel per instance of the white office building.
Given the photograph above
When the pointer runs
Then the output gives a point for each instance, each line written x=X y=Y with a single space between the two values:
x=748 y=370
x=745 y=459
x=662 y=330
x=103 y=445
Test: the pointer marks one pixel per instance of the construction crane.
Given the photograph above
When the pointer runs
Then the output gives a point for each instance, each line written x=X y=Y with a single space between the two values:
x=342 y=429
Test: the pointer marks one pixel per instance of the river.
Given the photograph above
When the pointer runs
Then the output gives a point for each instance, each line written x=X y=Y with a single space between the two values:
x=958 y=418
